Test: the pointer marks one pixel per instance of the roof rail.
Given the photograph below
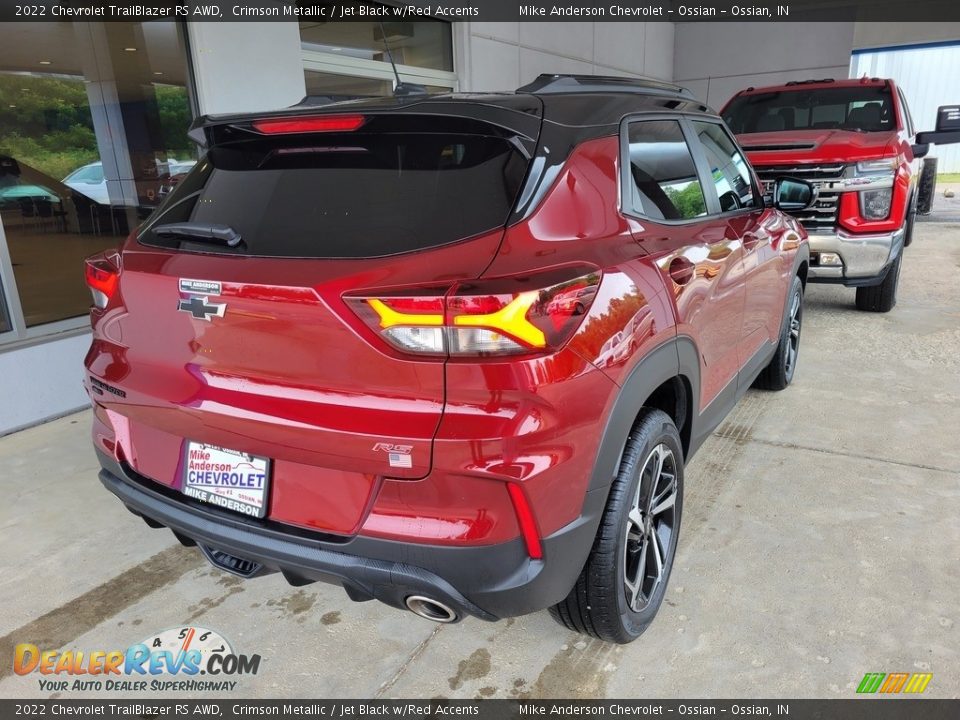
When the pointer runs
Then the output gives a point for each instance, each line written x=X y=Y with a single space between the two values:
x=810 y=82
x=546 y=84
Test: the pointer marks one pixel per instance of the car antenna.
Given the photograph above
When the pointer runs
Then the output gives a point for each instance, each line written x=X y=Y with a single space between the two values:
x=400 y=89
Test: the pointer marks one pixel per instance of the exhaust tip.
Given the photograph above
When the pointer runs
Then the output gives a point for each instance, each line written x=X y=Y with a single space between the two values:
x=231 y=563
x=430 y=609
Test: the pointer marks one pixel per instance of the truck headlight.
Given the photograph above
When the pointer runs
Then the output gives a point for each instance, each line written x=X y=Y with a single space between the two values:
x=877 y=167
x=875 y=204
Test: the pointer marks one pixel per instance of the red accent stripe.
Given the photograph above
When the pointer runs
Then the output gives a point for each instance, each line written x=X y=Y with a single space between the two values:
x=528 y=523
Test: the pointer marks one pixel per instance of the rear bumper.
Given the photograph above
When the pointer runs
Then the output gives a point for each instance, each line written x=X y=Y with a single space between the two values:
x=488 y=582
x=865 y=258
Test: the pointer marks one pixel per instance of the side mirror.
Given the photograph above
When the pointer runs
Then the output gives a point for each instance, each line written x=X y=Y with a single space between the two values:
x=919 y=150
x=948 y=127
x=793 y=195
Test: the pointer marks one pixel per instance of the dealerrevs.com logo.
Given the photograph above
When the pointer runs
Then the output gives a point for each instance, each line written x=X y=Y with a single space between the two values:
x=188 y=659
x=892 y=683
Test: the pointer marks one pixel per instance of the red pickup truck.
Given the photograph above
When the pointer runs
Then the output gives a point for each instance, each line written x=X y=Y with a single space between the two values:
x=855 y=141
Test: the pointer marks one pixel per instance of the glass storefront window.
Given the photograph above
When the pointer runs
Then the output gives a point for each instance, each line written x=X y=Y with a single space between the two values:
x=93 y=121
x=348 y=60
x=422 y=44
x=338 y=87
x=344 y=87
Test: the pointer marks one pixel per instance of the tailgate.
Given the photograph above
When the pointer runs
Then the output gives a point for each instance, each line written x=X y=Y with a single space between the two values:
x=248 y=344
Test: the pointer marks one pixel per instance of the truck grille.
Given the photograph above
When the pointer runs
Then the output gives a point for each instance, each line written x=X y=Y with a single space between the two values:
x=825 y=178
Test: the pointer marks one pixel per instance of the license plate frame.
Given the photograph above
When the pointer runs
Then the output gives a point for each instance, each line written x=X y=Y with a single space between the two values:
x=226 y=479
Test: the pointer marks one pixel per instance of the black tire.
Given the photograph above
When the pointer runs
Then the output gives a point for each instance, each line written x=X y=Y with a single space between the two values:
x=927 y=186
x=598 y=604
x=881 y=298
x=779 y=371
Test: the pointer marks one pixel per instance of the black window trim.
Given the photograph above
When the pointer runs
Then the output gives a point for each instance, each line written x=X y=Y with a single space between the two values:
x=702 y=165
x=626 y=207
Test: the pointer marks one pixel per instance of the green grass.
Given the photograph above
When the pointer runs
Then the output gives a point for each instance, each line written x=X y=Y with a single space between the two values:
x=948 y=177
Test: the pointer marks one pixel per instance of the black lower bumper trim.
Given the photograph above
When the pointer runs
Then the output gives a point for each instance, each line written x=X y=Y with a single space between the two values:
x=487 y=582
x=853 y=282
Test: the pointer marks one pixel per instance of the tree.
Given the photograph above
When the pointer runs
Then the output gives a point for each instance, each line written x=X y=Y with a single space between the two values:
x=45 y=122
x=688 y=201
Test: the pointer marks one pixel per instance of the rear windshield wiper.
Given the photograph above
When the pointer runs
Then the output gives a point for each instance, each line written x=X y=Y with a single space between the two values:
x=201 y=232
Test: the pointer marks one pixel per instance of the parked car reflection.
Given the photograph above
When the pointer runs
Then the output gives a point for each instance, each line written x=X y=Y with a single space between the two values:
x=32 y=200
x=608 y=350
x=574 y=300
x=89 y=181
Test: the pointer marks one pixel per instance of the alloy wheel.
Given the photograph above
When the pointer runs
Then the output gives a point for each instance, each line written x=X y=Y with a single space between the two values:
x=651 y=528
x=796 y=320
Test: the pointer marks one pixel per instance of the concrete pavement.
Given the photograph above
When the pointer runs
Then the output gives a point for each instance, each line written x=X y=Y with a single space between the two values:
x=820 y=540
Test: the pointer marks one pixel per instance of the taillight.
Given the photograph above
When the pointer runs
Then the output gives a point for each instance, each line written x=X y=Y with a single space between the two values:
x=411 y=324
x=103 y=276
x=483 y=318
x=322 y=123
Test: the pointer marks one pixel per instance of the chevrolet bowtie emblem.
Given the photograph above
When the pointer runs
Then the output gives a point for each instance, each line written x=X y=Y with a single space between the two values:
x=201 y=308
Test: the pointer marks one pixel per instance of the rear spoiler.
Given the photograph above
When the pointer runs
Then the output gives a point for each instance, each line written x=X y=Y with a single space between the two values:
x=517 y=115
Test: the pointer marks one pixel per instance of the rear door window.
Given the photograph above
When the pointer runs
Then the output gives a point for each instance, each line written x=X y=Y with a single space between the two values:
x=662 y=182
x=346 y=195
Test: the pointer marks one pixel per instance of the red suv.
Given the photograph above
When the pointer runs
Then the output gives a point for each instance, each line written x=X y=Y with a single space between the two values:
x=345 y=348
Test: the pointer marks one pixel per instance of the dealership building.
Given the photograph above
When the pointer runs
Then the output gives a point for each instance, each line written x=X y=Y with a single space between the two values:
x=94 y=117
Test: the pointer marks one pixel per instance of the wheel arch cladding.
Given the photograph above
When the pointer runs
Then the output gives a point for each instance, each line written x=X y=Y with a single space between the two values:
x=672 y=365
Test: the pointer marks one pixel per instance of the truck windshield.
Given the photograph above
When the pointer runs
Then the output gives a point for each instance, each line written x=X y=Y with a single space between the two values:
x=860 y=109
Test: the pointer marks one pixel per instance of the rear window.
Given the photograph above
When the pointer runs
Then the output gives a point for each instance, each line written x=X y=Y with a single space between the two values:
x=350 y=195
x=862 y=109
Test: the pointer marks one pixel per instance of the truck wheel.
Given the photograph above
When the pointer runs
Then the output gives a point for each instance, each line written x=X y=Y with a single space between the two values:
x=623 y=582
x=779 y=372
x=882 y=297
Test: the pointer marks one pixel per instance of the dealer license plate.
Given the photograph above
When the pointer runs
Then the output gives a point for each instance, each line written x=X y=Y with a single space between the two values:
x=227 y=478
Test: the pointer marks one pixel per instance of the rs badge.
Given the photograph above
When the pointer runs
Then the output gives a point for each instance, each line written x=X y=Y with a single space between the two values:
x=397 y=455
